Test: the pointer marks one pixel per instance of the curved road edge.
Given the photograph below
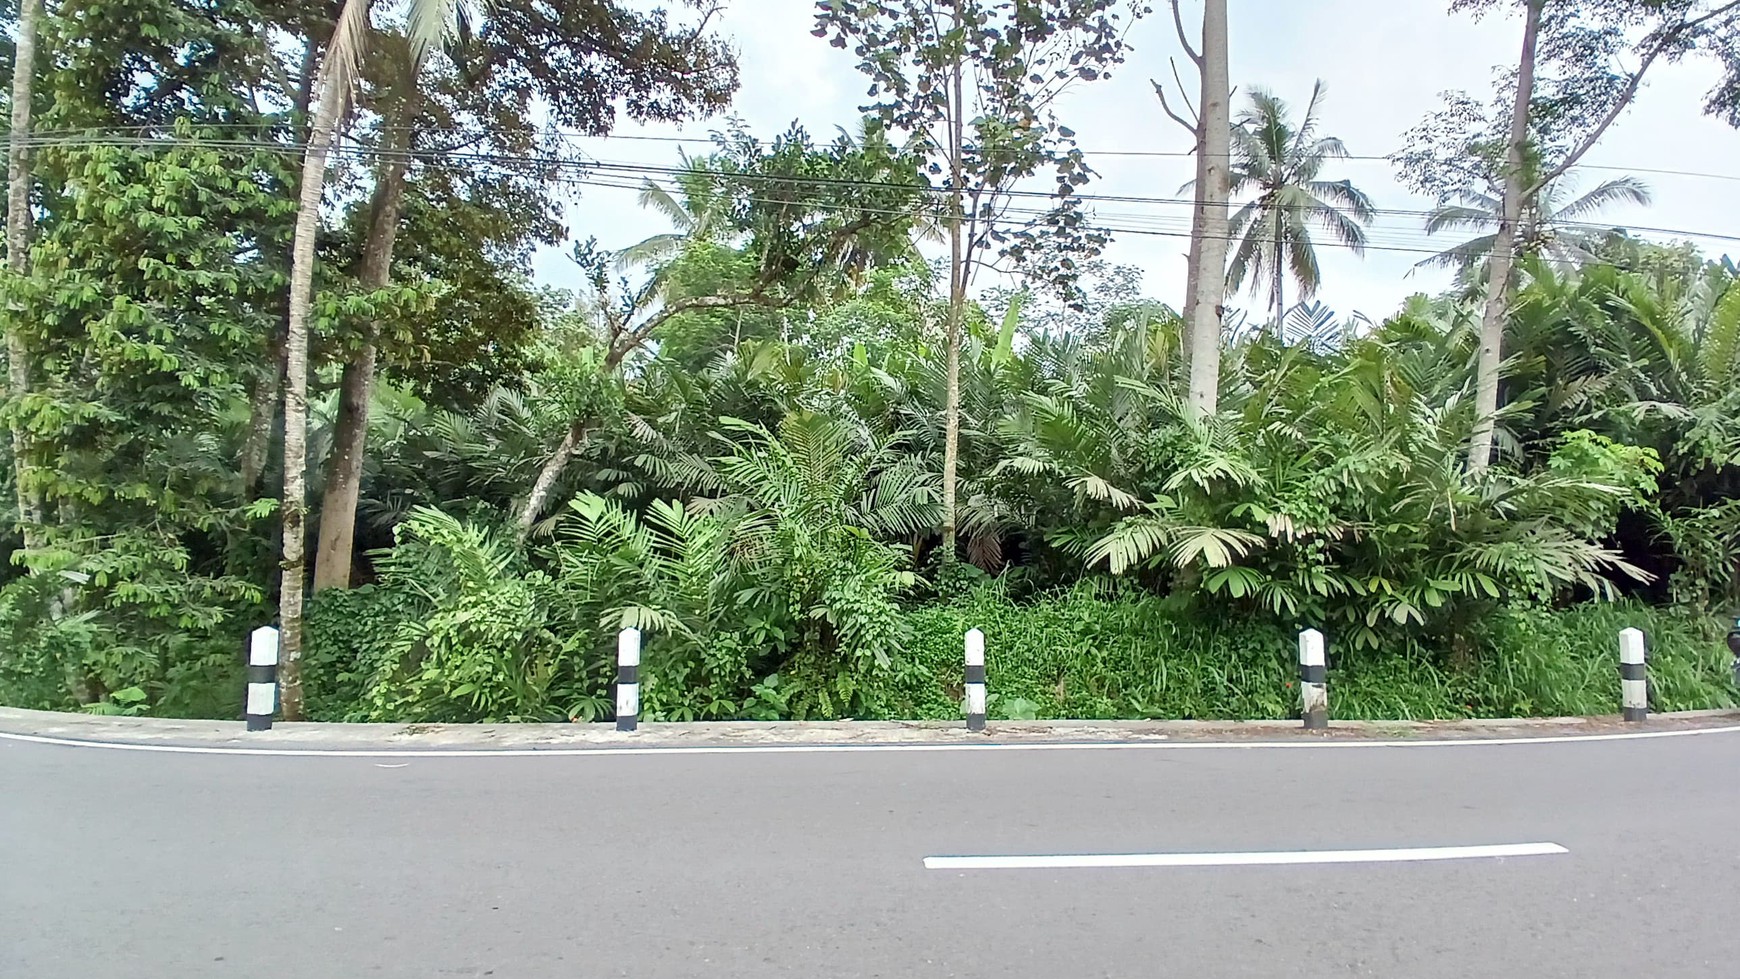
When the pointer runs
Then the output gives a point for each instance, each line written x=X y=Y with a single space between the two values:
x=520 y=740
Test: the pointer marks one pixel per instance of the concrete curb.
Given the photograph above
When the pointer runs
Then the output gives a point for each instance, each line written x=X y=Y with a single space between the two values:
x=217 y=734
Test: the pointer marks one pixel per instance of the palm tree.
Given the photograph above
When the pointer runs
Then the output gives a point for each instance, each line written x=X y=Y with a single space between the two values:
x=699 y=208
x=697 y=211
x=1550 y=227
x=1281 y=163
x=428 y=22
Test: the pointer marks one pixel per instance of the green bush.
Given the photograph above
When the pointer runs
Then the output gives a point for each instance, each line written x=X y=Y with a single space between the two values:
x=350 y=633
x=479 y=647
x=1083 y=654
x=1093 y=652
x=54 y=659
x=1565 y=662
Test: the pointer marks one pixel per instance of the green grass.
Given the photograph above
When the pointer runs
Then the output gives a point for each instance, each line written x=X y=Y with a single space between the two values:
x=1091 y=654
x=1078 y=655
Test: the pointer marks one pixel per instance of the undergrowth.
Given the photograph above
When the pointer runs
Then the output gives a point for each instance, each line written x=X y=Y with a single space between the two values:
x=1084 y=653
x=1078 y=655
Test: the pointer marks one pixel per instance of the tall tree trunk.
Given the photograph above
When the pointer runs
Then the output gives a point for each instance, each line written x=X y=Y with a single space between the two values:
x=1280 y=283
x=1213 y=190
x=295 y=505
x=957 y=310
x=262 y=412
x=263 y=400
x=1503 y=252
x=1193 y=270
x=333 y=558
x=1193 y=266
x=18 y=221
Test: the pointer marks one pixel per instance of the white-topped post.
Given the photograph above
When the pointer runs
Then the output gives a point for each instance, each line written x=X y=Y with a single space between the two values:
x=1634 y=676
x=1313 y=681
x=628 y=680
x=975 y=680
x=262 y=678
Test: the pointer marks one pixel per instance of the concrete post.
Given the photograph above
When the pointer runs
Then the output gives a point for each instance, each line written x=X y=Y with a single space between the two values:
x=628 y=680
x=1313 y=681
x=262 y=678
x=975 y=680
x=1633 y=676
x=1734 y=647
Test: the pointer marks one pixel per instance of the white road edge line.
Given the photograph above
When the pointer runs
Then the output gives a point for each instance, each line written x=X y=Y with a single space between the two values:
x=609 y=751
x=1281 y=858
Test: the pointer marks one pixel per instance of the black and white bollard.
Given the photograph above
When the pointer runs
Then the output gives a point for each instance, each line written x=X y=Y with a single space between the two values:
x=628 y=680
x=262 y=678
x=975 y=680
x=1633 y=676
x=1734 y=647
x=1313 y=681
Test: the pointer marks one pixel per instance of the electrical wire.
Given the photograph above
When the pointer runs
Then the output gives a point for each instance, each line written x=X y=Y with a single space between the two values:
x=575 y=135
x=578 y=168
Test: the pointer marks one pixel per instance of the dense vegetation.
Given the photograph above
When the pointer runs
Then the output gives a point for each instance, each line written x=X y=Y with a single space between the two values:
x=799 y=454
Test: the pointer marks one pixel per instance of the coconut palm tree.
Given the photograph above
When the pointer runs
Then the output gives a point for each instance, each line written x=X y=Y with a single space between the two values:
x=1551 y=226
x=697 y=209
x=428 y=23
x=1281 y=162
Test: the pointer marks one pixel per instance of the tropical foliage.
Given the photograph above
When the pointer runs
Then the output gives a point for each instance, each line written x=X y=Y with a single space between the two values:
x=1553 y=227
x=779 y=435
x=1280 y=163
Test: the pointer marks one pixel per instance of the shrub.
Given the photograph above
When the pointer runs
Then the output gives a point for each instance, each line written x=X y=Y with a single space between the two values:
x=351 y=633
x=480 y=649
x=1093 y=652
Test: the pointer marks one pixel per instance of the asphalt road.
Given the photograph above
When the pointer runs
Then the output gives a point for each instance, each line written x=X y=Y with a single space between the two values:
x=123 y=864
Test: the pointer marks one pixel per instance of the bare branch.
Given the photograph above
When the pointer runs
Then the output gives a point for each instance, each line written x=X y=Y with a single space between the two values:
x=624 y=344
x=1183 y=89
x=1183 y=38
x=1666 y=40
x=1160 y=90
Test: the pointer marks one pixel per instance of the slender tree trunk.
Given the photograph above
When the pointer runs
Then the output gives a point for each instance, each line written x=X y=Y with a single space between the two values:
x=262 y=412
x=545 y=484
x=1503 y=252
x=1198 y=212
x=263 y=402
x=547 y=476
x=957 y=310
x=18 y=221
x=1280 y=283
x=624 y=343
x=295 y=505
x=1193 y=273
x=305 y=83
x=333 y=558
x=1213 y=189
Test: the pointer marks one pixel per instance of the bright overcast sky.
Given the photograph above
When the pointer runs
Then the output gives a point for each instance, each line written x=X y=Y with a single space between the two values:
x=1384 y=61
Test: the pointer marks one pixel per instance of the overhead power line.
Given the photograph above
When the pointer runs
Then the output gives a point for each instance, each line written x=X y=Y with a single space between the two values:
x=580 y=167
x=574 y=135
x=1188 y=154
x=1182 y=233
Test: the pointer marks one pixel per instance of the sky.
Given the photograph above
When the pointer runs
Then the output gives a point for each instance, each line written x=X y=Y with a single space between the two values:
x=1385 y=63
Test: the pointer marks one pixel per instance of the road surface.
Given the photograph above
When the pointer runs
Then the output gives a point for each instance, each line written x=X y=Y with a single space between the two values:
x=658 y=866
